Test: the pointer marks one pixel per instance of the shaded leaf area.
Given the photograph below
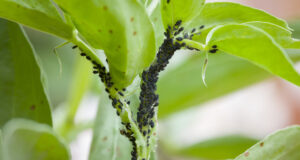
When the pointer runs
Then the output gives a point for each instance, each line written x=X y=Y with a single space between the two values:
x=218 y=148
x=107 y=142
x=124 y=32
x=220 y=13
x=39 y=14
x=256 y=46
x=21 y=89
x=281 y=145
x=28 y=140
x=182 y=87
x=178 y=10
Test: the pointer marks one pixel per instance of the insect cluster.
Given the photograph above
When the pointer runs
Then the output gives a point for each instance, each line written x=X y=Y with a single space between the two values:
x=149 y=100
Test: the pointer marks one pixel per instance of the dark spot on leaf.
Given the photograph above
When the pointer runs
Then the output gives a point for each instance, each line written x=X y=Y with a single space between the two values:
x=119 y=46
x=110 y=31
x=105 y=8
x=131 y=19
x=168 y=1
x=246 y=154
x=32 y=107
x=261 y=144
x=134 y=33
x=104 y=139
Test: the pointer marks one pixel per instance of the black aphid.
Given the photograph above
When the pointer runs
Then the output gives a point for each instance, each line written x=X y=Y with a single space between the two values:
x=201 y=27
x=82 y=54
x=214 y=46
x=121 y=94
x=179 y=38
x=74 y=47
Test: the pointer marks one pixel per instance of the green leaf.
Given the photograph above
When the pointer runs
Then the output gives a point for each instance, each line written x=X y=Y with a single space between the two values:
x=21 y=90
x=256 y=46
x=1 y=146
x=281 y=35
x=106 y=132
x=218 y=148
x=175 y=10
x=28 y=140
x=38 y=14
x=220 y=13
x=158 y=26
x=281 y=145
x=121 y=28
x=224 y=74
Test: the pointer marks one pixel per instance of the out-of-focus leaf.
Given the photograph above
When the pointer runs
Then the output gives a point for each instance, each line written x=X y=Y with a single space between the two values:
x=1 y=146
x=106 y=132
x=21 y=90
x=175 y=10
x=81 y=81
x=38 y=14
x=121 y=28
x=182 y=87
x=28 y=140
x=218 y=148
x=220 y=13
x=256 y=46
x=281 y=145
x=281 y=35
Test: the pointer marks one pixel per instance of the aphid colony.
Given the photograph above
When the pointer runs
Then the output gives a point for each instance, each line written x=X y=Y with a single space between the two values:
x=148 y=98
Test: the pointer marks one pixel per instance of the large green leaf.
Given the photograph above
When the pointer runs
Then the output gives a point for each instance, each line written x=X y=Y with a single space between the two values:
x=121 y=28
x=281 y=35
x=28 y=140
x=38 y=14
x=224 y=74
x=21 y=90
x=106 y=132
x=256 y=46
x=218 y=148
x=281 y=145
x=220 y=13
x=179 y=10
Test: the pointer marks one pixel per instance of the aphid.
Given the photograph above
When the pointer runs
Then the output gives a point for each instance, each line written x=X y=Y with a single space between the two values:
x=185 y=36
x=178 y=23
x=151 y=124
x=118 y=113
x=214 y=46
x=95 y=72
x=180 y=29
x=128 y=102
x=144 y=133
x=106 y=89
x=201 y=27
x=82 y=54
x=124 y=89
x=179 y=38
x=122 y=132
x=168 y=1
x=74 y=47
x=88 y=57
x=121 y=94
x=193 y=30
x=213 y=51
